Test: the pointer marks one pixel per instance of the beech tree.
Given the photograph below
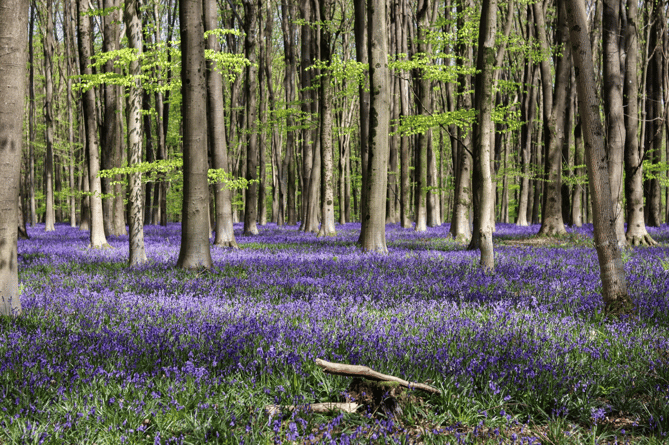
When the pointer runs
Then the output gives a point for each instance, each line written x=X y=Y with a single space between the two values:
x=133 y=31
x=13 y=75
x=361 y=30
x=485 y=63
x=614 y=291
x=225 y=235
x=424 y=106
x=463 y=194
x=554 y=114
x=327 y=180
x=97 y=237
x=260 y=123
x=636 y=224
x=110 y=128
x=251 y=8
x=194 y=251
x=48 y=46
x=373 y=230
x=613 y=109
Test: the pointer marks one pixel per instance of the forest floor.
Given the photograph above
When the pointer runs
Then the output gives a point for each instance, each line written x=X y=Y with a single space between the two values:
x=107 y=354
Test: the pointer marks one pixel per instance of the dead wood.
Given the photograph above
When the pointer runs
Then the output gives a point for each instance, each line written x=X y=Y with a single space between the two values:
x=368 y=373
x=314 y=407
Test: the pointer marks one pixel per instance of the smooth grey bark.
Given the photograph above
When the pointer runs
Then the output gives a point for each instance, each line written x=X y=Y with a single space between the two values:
x=392 y=203
x=69 y=99
x=288 y=166
x=133 y=32
x=250 y=94
x=148 y=148
x=48 y=47
x=325 y=115
x=310 y=140
x=423 y=107
x=554 y=107
x=218 y=146
x=195 y=251
x=405 y=161
x=613 y=110
x=13 y=76
x=362 y=39
x=110 y=137
x=373 y=232
x=160 y=188
x=614 y=284
x=279 y=181
x=654 y=118
x=31 y=122
x=636 y=224
x=460 y=229
x=433 y=201
x=85 y=206
x=567 y=158
x=577 y=191
x=527 y=113
x=485 y=63
x=266 y=54
x=97 y=232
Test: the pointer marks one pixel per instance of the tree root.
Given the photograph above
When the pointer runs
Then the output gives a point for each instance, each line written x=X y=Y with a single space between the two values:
x=640 y=240
x=619 y=307
x=224 y=244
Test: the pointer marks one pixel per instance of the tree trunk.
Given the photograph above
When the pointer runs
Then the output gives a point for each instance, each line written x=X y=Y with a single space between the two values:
x=361 y=30
x=48 y=46
x=392 y=203
x=577 y=191
x=654 y=120
x=325 y=113
x=485 y=64
x=13 y=75
x=423 y=107
x=636 y=223
x=110 y=137
x=613 y=110
x=69 y=98
x=288 y=168
x=31 y=122
x=555 y=104
x=433 y=203
x=614 y=285
x=373 y=232
x=161 y=153
x=150 y=158
x=85 y=213
x=537 y=182
x=265 y=59
x=567 y=159
x=528 y=111
x=250 y=85
x=194 y=251
x=405 y=160
x=309 y=109
x=97 y=232
x=133 y=32
x=218 y=146
x=463 y=193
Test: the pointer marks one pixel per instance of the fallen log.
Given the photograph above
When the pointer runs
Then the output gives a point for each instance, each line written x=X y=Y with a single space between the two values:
x=368 y=373
x=322 y=408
